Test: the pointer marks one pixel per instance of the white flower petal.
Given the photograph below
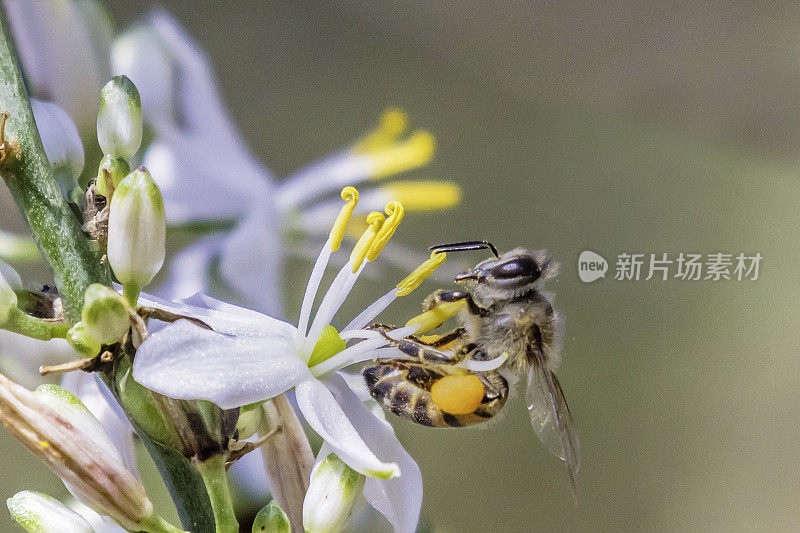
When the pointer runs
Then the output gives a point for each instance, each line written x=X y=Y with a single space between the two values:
x=186 y=361
x=326 y=417
x=399 y=499
x=252 y=257
x=224 y=317
x=21 y=356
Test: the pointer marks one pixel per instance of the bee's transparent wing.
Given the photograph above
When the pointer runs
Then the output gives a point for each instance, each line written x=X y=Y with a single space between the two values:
x=550 y=416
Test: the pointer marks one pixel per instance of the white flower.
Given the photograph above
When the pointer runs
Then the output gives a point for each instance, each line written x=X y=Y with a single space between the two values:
x=63 y=47
x=207 y=174
x=250 y=357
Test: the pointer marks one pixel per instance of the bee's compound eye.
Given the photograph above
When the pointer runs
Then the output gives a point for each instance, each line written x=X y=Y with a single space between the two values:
x=458 y=395
x=523 y=266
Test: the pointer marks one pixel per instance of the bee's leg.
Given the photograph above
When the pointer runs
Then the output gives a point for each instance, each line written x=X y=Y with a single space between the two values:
x=447 y=338
x=442 y=296
x=423 y=352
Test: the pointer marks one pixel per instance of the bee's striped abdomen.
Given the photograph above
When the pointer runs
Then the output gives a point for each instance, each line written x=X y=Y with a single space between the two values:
x=403 y=387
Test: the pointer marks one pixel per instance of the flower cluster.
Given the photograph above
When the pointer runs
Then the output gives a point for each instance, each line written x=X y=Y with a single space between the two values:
x=197 y=376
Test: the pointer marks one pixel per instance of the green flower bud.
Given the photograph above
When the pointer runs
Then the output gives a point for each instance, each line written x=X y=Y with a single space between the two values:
x=271 y=519
x=79 y=338
x=8 y=299
x=104 y=314
x=334 y=495
x=251 y=419
x=119 y=121
x=39 y=513
x=136 y=232
x=116 y=167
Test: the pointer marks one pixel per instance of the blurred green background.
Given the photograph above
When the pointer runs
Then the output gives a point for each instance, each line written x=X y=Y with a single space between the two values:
x=627 y=127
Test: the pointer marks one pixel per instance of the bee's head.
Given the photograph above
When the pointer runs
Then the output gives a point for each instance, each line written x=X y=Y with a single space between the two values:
x=509 y=275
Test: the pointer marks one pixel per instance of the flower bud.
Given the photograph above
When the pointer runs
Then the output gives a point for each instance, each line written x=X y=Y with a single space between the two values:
x=39 y=513
x=136 y=231
x=271 y=519
x=8 y=299
x=251 y=418
x=62 y=143
x=55 y=426
x=334 y=495
x=119 y=121
x=117 y=168
x=104 y=314
x=79 y=338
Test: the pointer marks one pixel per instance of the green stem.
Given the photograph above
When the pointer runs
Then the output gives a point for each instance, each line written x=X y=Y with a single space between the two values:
x=216 y=480
x=27 y=172
x=156 y=524
x=71 y=255
x=33 y=327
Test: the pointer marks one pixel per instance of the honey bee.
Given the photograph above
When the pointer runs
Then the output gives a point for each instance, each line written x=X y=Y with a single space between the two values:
x=504 y=314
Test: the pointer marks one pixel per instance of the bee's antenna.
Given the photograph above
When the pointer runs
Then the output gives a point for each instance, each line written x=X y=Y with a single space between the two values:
x=463 y=246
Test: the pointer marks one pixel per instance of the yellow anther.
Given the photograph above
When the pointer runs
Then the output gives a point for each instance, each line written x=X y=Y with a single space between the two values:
x=394 y=213
x=414 y=152
x=393 y=122
x=420 y=273
x=349 y=195
x=434 y=318
x=375 y=221
x=458 y=395
x=424 y=195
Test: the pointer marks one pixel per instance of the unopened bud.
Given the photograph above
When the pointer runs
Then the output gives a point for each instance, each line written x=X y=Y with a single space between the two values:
x=271 y=519
x=67 y=440
x=79 y=338
x=111 y=168
x=62 y=143
x=39 y=513
x=334 y=495
x=8 y=299
x=119 y=121
x=104 y=314
x=136 y=231
x=251 y=419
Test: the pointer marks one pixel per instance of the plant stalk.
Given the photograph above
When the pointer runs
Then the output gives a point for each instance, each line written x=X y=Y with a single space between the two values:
x=216 y=479
x=28 y=174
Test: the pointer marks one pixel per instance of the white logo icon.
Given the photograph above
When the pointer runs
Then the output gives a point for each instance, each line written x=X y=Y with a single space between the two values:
x=591 y=266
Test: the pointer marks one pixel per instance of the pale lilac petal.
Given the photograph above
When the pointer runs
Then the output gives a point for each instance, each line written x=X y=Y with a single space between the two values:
x=252 y=258
x=188 y=362
x=189 y=268
x=63 y=48
x=21 y=356
x=399 y=499
x=327 y=418
x=224 y=317
x=191 y=183
x=250 y=475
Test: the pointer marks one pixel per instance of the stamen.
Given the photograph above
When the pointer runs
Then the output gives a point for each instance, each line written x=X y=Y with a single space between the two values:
x=331 y=302
x=395 y=212
x=370 y=313
x=434 y=318
x=393 y=122
x=414 y=152
x=359 y=253
x=423 y=195
x=350 y=195
x=413 y=280
x=311 y=289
